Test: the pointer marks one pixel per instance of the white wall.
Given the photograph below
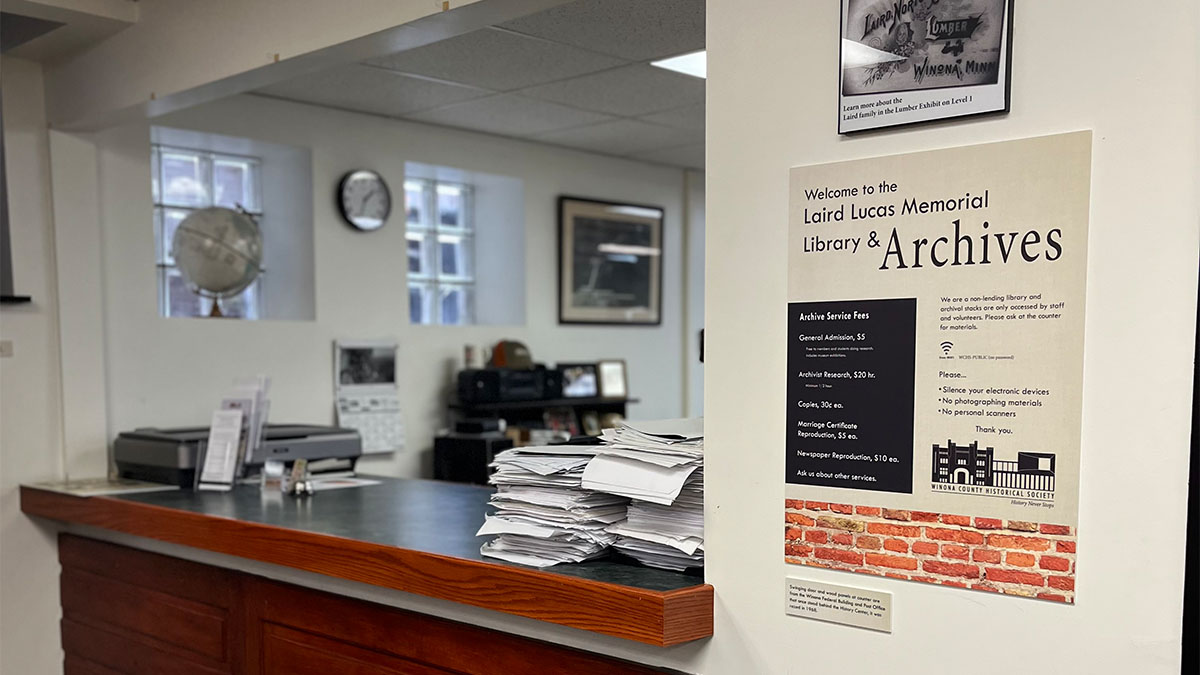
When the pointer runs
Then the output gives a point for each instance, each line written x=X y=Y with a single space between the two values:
x=772 y=74
x=695 y=293
x=361 y=277
x=30 y=421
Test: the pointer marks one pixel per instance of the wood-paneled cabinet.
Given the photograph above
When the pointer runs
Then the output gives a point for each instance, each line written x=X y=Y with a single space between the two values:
x=131 y=612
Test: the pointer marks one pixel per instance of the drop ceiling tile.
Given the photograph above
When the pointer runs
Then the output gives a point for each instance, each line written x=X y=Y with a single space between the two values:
x=637 y=30
x=629 y=91
x=688 y=117
x=509 y=115
x=688 y=156
x=496 y=59
x=619 y=137
x=371 y=90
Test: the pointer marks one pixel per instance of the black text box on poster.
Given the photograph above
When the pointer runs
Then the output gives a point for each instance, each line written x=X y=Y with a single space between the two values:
x=850 y=394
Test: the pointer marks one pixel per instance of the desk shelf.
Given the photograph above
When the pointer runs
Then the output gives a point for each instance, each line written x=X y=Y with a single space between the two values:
x=547 y=403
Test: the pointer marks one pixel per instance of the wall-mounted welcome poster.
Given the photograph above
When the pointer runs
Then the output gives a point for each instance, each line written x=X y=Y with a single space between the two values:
x=918 y=60
x=935 y=365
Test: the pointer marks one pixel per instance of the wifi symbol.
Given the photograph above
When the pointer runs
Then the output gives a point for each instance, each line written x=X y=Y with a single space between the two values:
x=946 y=347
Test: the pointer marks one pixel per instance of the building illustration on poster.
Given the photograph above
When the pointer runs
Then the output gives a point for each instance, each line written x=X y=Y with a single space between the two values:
x=935 y=302
x=973 y=465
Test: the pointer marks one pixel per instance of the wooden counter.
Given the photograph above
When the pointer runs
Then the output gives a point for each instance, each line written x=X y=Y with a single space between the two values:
x=406 y=535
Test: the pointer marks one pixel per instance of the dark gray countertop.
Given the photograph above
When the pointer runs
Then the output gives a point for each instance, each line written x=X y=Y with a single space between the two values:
x=421 y=515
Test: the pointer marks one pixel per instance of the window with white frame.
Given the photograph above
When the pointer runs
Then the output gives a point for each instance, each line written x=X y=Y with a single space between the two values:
x=184 y=181
x=441 y=250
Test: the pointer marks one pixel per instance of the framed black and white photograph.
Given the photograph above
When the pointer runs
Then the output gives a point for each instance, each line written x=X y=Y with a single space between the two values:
x=922 y=60
x=614 y=383
x=365 y=363
x=579 y=380
x=610 y=262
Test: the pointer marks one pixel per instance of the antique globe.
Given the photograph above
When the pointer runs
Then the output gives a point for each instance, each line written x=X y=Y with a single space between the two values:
x=219 y=253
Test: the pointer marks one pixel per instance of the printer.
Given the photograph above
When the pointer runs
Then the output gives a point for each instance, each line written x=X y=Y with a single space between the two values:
x=170 y=455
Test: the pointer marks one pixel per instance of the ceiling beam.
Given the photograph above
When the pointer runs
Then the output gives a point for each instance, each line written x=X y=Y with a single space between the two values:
x=182 y=53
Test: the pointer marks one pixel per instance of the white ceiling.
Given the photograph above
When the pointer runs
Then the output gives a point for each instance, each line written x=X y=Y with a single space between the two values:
x=576 y=75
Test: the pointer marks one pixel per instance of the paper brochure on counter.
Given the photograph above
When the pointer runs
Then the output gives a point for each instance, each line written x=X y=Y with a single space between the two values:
x=935 y=364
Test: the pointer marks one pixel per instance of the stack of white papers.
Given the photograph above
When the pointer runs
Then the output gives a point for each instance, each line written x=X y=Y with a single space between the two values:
x=543 y=517
x=660 y=466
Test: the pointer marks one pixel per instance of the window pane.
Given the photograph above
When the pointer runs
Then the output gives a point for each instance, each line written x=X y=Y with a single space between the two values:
x=183 y=179
x=179 y=299
x=416 y=202
x=451 y=205
x=416 y=306
x=414 y=256
x=232 y=184
x=420 y=261
x=421 y=309
x=155 y=172
x=168 y=220
x=450 y=263
x=454 y=256
x=455 y=305
x=244 y=305
x=450 y=308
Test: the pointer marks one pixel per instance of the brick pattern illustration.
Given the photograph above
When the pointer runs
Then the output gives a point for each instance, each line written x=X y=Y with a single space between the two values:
x=985 y=554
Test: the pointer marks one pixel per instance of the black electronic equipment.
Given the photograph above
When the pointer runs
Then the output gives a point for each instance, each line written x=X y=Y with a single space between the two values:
x=479 y=425
x=464 y=458
x=496 y=385
x=554 y=384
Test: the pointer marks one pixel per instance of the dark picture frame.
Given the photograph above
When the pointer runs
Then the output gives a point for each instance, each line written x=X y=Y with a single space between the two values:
x=579 y=380
x=892 y=103
x=609 y=262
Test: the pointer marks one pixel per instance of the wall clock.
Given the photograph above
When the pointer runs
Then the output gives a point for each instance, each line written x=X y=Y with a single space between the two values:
x=364 y=200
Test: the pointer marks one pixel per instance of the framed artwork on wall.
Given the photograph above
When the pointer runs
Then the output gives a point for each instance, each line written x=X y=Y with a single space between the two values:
x=922 y=60
x=610 y=262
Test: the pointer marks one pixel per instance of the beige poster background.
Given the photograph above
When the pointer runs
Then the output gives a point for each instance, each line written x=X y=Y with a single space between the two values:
x=1014 y=326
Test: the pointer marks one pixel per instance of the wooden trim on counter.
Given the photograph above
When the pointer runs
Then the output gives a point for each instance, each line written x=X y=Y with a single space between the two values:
x=661 y=618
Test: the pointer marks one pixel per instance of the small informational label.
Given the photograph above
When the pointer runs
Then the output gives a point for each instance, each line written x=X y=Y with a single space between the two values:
x=846 y=605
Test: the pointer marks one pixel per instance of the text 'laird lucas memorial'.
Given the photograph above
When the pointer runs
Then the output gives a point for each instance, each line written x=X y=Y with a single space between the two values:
x=961 y=245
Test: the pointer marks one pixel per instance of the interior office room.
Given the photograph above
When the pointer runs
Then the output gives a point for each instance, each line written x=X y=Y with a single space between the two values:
x=424 y=336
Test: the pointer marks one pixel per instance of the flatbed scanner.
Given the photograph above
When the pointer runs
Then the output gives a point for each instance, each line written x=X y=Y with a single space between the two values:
x=170 y=455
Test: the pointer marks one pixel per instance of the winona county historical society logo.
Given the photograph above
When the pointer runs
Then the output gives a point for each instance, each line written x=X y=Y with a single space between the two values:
x=970 y=469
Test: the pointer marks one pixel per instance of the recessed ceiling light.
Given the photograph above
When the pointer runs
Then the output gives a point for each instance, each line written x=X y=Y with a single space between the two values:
x=694 y=64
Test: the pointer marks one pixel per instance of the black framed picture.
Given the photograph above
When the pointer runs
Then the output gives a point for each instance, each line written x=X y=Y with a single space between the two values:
x=579 y=380
x=922 y=60
x=610 y=262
